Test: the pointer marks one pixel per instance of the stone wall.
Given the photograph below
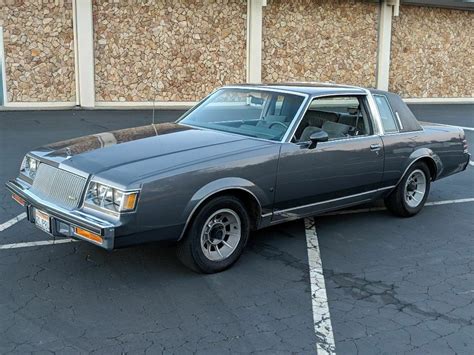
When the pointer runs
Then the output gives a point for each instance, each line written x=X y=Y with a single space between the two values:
x=432 y=53
x=168 y=50
x=320 y=40
x=39 y=50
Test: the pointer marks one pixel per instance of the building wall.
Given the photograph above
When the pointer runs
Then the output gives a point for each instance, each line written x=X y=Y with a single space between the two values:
x=187 y=48
x=320 y=40
x=39 y=50
x=432 y=53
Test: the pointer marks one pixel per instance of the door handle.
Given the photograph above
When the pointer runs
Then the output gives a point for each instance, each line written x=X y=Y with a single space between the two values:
x=375 y=147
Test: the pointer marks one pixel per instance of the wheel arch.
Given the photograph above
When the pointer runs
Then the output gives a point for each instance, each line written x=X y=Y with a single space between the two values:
x=427 y=156
x=244 y=190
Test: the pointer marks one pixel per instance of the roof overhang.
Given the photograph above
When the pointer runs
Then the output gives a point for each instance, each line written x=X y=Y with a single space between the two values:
x=453 y=4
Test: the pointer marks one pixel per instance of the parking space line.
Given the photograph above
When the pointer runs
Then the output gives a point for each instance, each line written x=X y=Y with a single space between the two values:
x=322 y=320
x=12 y=221
x=35 y=244
x=471 y=163
x=462 y=127
x=375 y=209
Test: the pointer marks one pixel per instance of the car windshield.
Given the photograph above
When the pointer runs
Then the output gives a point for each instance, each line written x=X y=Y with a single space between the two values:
x=249 y=112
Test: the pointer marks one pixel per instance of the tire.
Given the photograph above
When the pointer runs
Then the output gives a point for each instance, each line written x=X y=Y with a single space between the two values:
x=406 y=200
x=208 y=246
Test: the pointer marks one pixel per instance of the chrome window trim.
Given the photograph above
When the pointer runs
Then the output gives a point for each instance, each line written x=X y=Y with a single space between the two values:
x=332 y=200
x=375 y=113
x=400 y=133
x=362 y=94
x=398 y=119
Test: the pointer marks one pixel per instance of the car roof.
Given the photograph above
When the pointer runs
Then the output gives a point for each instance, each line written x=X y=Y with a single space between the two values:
x=309 y=88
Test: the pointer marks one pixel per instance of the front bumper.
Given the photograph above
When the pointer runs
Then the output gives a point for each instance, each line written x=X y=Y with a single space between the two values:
x=64 y=222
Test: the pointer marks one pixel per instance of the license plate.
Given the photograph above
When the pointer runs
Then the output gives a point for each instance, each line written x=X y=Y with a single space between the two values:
x=42 y=221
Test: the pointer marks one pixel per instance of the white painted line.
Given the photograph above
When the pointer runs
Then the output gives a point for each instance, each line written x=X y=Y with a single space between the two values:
x=448 y=202
x=12 y=221
x=36 y=244
x=375 y=209
x=321 y=317
x=450 y=125
x=465 y=128
x=471 y=163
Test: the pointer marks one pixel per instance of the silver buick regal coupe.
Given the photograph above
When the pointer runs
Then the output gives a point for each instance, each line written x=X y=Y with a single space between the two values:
x=244 y=158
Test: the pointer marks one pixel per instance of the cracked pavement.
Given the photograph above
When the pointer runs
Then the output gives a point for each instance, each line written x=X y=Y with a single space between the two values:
x=393 y=285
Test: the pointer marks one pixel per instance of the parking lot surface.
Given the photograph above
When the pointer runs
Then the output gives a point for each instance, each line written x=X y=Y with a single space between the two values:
x=393 y=285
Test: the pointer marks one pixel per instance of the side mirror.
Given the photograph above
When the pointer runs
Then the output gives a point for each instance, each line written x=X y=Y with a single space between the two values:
x=316 y=137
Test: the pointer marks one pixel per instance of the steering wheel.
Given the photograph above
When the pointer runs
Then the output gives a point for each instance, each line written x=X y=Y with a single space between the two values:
x=279 y=123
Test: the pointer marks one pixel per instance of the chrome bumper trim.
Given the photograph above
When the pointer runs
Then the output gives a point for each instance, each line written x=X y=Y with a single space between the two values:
x=72 y=217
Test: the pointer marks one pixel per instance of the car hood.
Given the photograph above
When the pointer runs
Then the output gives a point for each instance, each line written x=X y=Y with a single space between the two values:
x=172 y=144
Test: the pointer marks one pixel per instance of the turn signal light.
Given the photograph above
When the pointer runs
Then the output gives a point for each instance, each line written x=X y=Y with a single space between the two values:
x=88 y=235
x=18 y=199
x=130 y=201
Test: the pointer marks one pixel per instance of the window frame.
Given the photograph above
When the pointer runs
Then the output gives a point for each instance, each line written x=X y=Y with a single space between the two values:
x=367 y=107
x=395 y=117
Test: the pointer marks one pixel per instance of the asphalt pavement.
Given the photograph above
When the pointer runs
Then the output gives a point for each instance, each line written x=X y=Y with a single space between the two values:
x=393 y=285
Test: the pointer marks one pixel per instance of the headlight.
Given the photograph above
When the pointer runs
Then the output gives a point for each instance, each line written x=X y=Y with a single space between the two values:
x=29 y=166
x=110 y=198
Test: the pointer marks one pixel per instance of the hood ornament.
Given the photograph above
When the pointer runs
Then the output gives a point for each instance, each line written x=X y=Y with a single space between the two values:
x=68 y=153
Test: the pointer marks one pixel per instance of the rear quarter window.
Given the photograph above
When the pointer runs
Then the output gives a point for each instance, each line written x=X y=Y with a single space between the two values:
x=386 y=114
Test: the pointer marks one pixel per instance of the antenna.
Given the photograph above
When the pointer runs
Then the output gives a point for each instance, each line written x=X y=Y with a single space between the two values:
x=153 y=114
x=154 y=98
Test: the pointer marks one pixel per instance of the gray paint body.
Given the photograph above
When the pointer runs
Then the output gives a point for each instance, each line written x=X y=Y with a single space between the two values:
x=178 y=168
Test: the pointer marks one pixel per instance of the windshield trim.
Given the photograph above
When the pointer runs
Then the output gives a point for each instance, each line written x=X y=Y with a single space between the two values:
x=257 y=88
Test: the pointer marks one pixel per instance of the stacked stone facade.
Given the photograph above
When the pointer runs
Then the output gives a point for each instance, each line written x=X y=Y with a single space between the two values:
x=39 y=50
x=432 y=53
x=180 y=50
x=320 y=40
x=168 y=50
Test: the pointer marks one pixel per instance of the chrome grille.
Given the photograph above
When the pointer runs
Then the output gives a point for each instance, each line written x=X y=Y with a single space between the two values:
x=58 y=186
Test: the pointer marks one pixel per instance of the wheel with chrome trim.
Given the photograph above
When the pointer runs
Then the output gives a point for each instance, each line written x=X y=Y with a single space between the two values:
x=411 y=193
x=216 y=236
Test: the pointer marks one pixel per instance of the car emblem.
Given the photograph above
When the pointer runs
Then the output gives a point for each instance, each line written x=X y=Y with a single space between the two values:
x=72 y=198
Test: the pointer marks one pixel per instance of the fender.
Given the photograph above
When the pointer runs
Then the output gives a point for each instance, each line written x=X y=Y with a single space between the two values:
x=217 y=186
x=422 y=153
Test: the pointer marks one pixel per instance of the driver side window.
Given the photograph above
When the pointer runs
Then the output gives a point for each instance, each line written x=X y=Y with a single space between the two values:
x=339 y=116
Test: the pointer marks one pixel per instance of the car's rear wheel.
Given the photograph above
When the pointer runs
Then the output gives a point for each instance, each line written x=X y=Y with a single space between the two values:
x=216 y=236
x=411 y=193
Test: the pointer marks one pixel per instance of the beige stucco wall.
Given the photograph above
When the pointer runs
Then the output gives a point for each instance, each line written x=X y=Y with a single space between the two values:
x=432 y=53
x=39 y=50
x=186 y=47
x=320 y=40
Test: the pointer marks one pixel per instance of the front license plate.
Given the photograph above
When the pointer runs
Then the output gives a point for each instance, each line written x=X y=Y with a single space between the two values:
x=42 y=221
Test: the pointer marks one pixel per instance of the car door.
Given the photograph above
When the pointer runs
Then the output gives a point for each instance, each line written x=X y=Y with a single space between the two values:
x=345 y=170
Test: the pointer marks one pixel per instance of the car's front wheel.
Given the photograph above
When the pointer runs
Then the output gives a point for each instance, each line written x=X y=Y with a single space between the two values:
x=410 y=195
x=216 y=237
